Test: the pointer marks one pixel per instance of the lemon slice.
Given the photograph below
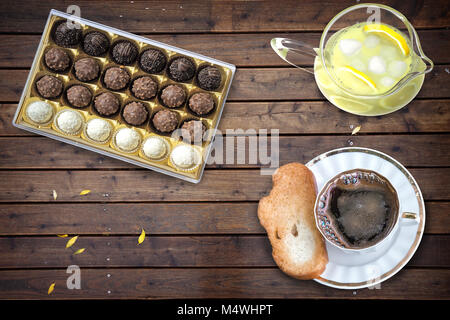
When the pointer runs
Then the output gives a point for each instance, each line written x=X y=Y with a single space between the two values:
x=391 y=33
x=360 y=75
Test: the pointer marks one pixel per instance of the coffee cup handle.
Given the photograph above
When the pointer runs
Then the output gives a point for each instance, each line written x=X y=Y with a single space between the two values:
x=409 y=218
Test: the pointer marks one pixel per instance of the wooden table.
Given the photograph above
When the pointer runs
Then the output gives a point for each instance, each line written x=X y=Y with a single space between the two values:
x=205 y=241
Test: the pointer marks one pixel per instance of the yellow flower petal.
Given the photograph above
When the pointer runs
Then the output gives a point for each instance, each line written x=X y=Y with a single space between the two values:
x=141 y=237
x=51 y=288
x=62 y=235
x=82 y=193
x=55 y=195
x=71 y=241
x=79 y=251
x=356 y=130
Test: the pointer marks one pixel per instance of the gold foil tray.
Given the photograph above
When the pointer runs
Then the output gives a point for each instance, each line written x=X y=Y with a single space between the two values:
x=108 y=147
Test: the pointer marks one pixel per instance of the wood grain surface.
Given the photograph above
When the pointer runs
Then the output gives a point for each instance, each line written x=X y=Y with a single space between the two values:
x=204 y=240
x=252 y=84
x=179 y=283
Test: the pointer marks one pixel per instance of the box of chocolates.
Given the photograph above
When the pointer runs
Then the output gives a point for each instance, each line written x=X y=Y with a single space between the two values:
x=124 y=96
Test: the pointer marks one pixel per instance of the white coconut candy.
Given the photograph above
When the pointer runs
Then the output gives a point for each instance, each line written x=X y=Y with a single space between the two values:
x=69 y=121
x=98 y=129
x=39 y=111
x=127 y=139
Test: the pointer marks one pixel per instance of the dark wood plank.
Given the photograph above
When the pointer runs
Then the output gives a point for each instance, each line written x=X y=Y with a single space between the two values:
x=294 y=84
x=306 y=117
x=149 y=186
x=159 y=218
x=44 y=153
x=209 y=16
x=211 y=283
x=253 y=49
x=174 y=251
x=256 y=84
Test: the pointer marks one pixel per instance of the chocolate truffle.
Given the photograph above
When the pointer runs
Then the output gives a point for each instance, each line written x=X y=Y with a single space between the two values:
x=173 y=96
x=193 y=131
x=181 y=69
x=209 y=78
x=98 y=130
x=185 y=157
x=165 y=120
x=95 y=43
x=153 y=61
x=49 y=86
x=79 y=96
x=135 y=113
x=69 y=121
x=201 y=103
x=106 y=104
x=39 y=112
x=86 y=69
x=124 y=52
x=57 y=59
x=67 y=34
x=154 y=147
x=127 y=139
x=144 y=88
x=116 y=78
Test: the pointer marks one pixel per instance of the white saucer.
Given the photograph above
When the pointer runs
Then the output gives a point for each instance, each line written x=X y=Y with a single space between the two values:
x=360 y=270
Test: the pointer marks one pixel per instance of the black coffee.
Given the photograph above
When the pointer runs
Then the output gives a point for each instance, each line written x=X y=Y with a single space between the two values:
x=359 y=209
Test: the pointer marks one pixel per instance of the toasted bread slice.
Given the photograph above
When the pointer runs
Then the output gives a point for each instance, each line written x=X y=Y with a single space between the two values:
x=287 y=214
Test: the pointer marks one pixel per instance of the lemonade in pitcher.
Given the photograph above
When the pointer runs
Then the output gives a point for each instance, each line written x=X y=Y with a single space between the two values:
x=368 y=59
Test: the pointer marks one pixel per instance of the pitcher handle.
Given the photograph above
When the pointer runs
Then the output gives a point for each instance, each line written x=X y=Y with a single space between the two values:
x=283 y=46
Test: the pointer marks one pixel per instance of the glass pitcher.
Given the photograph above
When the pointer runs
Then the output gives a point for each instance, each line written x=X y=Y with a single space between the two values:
x=369 y=61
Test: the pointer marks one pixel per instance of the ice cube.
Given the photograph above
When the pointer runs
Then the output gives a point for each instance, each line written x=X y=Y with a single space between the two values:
x=396 y=68
x=388 y=52
x=377 y=65
x=358 y=64
x=371 y=41
x=387 y=82
x=349 y=46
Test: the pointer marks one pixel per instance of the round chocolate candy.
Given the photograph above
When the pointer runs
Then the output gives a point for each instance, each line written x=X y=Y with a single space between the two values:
x=193 y=131
x=49 y=86
x=124 y=52
x=79 y=96
x=86 y=69
x=209 y=78
x=57 y=59
x=201 y=103
x=173 y=96
x=67 y=34
x=135 y=113
x=181 y=69
x=95 y=43
x=153 y=61
x=106 y=104
x=144 y=88
x=165 y=121
x=116 y=78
